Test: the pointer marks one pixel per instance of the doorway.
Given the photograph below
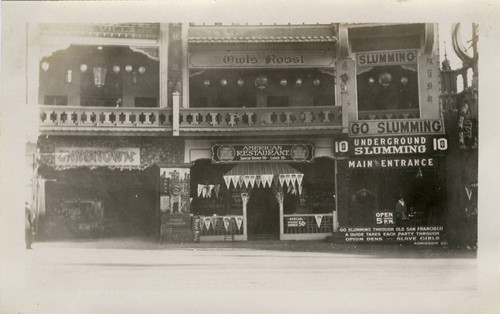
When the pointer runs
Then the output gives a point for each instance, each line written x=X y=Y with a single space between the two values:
x=263 y=215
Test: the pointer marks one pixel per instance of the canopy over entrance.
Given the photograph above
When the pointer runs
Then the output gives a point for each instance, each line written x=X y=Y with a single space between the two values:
x=263 y=174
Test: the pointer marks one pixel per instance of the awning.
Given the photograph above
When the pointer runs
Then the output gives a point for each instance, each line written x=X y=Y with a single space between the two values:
x=263 y=174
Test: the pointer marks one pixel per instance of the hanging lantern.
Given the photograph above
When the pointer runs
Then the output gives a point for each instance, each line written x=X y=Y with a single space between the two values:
x=298 y=82
x=283 y=82
x=223 y=82
x=240 y=82
x=83 y=68
x=142 y=70
x=128 y=68
x=116 y=69
x=206 y=83
x=385 y=79
x=261 y=82
x=99 y=76
x=316 y=82
x=45 y=66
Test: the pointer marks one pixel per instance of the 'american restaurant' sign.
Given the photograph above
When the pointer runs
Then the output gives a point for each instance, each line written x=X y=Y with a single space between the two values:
x=262 y=152
x=399 y=127
x=97 y=156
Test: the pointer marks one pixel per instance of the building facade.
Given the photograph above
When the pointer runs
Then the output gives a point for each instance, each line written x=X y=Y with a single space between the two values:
x=182 y=131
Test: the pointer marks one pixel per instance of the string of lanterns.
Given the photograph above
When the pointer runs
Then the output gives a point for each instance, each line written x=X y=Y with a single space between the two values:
x=262 y=82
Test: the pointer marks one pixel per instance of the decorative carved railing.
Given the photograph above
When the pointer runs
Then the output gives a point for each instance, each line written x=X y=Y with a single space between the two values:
x=66 y=118
x=388 y=114
x=259 y=118
x=104 y=117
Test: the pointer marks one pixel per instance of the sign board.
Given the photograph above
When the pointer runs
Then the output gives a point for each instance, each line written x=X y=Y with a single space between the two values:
x=422 y=235
x=295 y=222
x=392 y=162
x=396 y=127
x=391 y=145
x=97 y=156
x=385 y=58
x=278 y=59
x=229 y=153
x=176 y=220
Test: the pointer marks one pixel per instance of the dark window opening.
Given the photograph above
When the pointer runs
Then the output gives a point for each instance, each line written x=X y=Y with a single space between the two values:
x=55 y=100
x=146 y=102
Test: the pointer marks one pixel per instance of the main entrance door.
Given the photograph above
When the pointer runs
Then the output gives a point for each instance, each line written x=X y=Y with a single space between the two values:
x=263 y=215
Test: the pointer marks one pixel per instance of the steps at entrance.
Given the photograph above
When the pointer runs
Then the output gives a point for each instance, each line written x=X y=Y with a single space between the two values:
x=258 y=237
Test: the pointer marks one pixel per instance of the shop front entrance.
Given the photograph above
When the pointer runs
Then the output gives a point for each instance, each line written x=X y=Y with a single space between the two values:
x=263 y=215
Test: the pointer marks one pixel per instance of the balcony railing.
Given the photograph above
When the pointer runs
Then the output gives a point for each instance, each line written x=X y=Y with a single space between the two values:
x=260 y=118
x=389 y=114
x=64 y=119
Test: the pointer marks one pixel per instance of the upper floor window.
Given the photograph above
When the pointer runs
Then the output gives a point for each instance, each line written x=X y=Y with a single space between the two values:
x=100 y=76
x=387 y=84
x=261 y=88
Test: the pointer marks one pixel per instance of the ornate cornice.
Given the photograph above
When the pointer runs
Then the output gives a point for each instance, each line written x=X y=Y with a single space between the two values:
x=131 y=31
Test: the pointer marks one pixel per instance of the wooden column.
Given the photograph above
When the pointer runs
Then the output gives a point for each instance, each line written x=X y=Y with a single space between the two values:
x=244 y=201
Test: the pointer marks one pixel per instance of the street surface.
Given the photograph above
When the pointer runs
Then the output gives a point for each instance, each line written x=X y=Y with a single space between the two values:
x=288 y=277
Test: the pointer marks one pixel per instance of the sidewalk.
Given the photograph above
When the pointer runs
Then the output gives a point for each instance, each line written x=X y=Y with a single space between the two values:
x=388 y=250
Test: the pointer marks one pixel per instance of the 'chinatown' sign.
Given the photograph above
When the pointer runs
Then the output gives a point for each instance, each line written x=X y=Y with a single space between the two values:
x=386 y=58
x=395 y=162
x=390 y=145
x=261 y=60
x=227 y=153
x=396 y=127
x=97 y=156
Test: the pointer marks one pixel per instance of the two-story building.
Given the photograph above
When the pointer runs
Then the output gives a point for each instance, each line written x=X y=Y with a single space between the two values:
x=258 y=131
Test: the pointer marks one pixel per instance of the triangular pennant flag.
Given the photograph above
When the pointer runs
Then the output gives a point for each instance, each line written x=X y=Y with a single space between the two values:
x=206 y=220
x=299 y=178
x=200 y=188
x=226 y=223
x=213 y=220
x=216 y=189
x=239 y=221
x=258 y=181
x=300 y=189
x=246 y=179
x=469 y=192
x=282 y=179
x=227 y=179
x=204 y=191
x=270 y=179
x=234 y=179
x=318 y=219
x=293 y=178
x=252 y=180
x=240 y=181
x=287 y=179
x=210 y=189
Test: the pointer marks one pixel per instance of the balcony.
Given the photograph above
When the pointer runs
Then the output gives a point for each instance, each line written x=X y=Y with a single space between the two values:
x=196 y=121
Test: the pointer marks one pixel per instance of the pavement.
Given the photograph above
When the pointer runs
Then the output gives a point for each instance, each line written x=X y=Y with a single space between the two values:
x=141 y=276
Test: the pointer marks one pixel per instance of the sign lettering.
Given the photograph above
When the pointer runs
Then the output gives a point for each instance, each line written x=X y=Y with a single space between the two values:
x=97 y=156
x=227 y=153
x=377 y=127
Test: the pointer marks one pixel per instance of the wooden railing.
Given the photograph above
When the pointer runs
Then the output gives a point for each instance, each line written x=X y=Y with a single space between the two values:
x=265 y=117
x=104 y=117
x=388 y=114
x=64 y=118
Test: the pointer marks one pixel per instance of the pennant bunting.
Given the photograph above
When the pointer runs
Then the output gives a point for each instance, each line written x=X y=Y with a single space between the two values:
x=206 y=220
x=234 y=179
x=204 y=191
x=282 y=179
x=216 y=190
x=299 y=178
x=246 y=180
x=227 y=179
x=252 y=180
x=240 y=181
x=469 y=192
x=258 y=181
x=287 y=179
x=318 y=219
x=200 y=188
x=239 y=221
x=213 y=220
x=210 y=189
x=226 y=223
